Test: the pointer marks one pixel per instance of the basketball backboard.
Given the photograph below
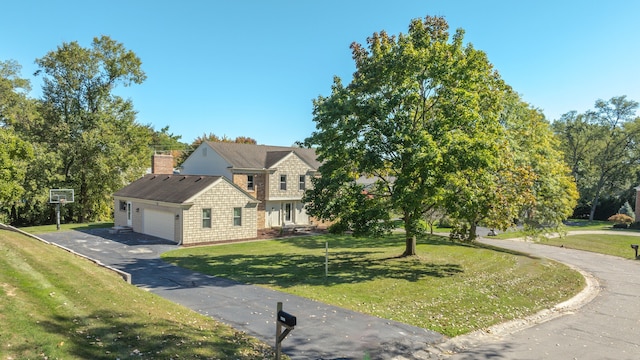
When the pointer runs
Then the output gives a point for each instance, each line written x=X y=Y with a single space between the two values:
x=60 y=196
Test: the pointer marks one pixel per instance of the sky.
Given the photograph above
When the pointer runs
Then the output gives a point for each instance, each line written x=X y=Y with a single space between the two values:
x=253 y=68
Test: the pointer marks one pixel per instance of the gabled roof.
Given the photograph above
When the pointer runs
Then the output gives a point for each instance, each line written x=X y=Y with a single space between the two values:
x=274 y=157
x=249 y=156
x=175 y=189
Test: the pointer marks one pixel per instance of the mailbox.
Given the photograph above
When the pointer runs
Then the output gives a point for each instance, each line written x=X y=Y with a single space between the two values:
x=286 y=318
x=635 y=247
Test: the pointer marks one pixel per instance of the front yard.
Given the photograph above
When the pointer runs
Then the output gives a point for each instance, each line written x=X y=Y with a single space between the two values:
x=449 y=288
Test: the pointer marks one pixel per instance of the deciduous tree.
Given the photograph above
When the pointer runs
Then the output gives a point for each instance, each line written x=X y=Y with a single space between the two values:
x=15 y=153
x=421 y=109
x=91 y=129
x=601 y=147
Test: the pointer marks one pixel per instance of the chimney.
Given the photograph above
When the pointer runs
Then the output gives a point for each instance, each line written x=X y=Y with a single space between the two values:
x=162 y=164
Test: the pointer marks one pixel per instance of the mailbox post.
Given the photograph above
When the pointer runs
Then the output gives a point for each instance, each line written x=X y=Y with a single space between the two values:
x=287 y=321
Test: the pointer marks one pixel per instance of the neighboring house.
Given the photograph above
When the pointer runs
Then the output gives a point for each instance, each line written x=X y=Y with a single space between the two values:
x=276 y=176
x=186 y=209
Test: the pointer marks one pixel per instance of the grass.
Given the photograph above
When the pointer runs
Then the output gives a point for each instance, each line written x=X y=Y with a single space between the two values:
x=616 y=245
x=450 y=288
x=52 y=228
x=572 y=225
x=58 y=306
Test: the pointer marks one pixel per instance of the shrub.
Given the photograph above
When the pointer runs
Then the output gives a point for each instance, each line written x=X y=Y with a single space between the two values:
x=627 y=210
x=338 y=228
x=621 y=219
x=445 y=222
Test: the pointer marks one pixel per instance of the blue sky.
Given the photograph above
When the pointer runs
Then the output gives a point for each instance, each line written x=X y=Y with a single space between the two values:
x=252 y=68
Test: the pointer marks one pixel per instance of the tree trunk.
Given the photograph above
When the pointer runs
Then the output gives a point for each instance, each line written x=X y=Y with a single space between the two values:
x=82 y=199
x=410 y=236
x=410 y=247
x=472 y=231
x=594 y=205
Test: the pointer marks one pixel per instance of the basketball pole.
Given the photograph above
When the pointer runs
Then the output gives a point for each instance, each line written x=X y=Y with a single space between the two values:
x=57 y=216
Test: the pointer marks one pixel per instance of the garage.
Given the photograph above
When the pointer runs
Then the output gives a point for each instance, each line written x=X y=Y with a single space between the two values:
x=159 y=223
x=186 y=209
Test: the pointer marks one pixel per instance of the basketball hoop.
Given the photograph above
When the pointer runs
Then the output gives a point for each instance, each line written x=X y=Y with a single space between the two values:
x=60 y=197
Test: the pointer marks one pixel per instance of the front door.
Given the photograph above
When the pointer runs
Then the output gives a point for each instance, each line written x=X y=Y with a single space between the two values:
x=129 y=215
x=288 y=217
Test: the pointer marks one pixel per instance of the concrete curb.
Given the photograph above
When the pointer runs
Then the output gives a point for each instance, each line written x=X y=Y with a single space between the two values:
x=125 y=275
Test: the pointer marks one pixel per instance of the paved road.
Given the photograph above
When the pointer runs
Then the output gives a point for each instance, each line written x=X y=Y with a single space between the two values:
x=323 y=331
x=608 y=327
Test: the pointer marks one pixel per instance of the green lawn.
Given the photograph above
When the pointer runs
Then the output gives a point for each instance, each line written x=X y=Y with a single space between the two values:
x=54 y=305
x=616 y=245
x=52 y=228
x=450 y=288
x=573 y=225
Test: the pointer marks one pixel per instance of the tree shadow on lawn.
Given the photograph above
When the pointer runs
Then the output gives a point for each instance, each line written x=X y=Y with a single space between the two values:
x=353 y=242
x=287 y=270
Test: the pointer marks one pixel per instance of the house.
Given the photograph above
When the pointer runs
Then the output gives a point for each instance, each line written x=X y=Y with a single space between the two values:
x=276 y=176
x=186 y=209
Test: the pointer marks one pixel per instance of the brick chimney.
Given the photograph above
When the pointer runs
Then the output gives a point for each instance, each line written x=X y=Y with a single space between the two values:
x=162 y=164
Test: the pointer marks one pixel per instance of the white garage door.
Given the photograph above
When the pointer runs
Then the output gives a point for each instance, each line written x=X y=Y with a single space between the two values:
x=159 y=223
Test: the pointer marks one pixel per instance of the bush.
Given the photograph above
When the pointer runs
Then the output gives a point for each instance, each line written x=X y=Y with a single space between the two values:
x=627 y=210
x=620 y=226
x=635 y=225
x=445 y=222
x=338 y=228
x=621 y=219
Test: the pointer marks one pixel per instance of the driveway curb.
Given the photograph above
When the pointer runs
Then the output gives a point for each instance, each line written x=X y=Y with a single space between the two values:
x=461 y=343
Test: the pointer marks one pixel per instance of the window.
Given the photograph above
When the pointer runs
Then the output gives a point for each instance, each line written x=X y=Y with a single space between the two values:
x=283 y=182
x=237 y=216
x=302 y=182
x=123 y=205
x=206 y=218
x=250 y=182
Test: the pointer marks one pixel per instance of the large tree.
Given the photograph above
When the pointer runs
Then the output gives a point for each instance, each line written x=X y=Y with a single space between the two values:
x=92 y=130
x=552 y=193
x=531 y=183
x=600 y=146
x=422 y=108
x=15 y=153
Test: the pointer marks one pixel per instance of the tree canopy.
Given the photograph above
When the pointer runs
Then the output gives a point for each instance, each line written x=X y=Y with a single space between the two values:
x=92 y=130
x=79 y=135
x=420 y=126
x=600 y=146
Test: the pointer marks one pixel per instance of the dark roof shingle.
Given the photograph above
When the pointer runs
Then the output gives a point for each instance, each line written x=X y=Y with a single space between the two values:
x=167 y=188
x=249 y=156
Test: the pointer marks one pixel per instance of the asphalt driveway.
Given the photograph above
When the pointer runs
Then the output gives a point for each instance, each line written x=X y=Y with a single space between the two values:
x=323 y=331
